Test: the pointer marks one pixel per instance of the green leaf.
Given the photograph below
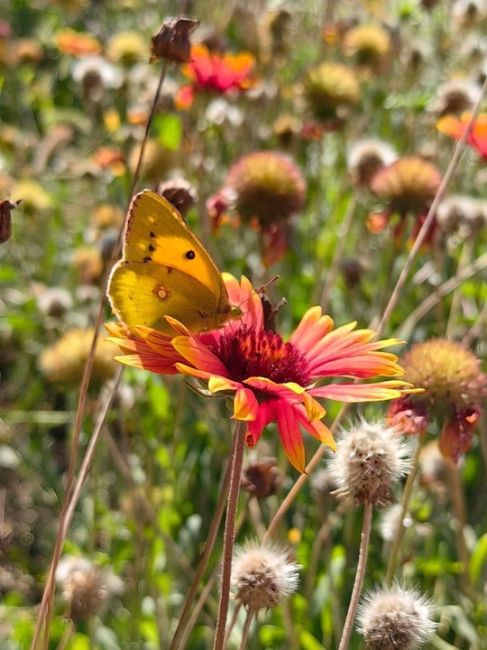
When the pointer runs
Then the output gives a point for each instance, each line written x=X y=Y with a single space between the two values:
x=308 y=642
x=479 y=558
x=169 y=131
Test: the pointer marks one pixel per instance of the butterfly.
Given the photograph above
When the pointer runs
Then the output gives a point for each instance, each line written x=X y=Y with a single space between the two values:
x=166 y=271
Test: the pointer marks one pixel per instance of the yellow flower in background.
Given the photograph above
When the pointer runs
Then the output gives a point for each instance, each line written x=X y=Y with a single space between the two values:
x=127 y=48
x=33 y=196
x=64 y=361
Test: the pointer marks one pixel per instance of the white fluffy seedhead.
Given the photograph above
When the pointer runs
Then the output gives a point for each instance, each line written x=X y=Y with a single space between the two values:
x=370 y=458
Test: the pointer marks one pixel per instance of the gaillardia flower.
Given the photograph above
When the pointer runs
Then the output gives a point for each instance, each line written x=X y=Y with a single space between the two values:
x=330 y=90
x=265 y=188
x=455 y=127
x=271 y=379
x=370 y=45
x=407 y=187
x=454 y=386
x=211 y=71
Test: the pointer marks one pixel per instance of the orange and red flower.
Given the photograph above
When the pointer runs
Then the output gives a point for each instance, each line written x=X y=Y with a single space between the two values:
x=455 y=127
x=215 y=72
x=269 y=378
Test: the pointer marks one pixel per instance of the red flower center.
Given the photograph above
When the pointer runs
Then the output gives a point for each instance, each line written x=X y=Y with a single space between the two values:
x=248 y=353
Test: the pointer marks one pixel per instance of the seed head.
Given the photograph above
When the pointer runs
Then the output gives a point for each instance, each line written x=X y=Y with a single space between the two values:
x=86 y=587
x=180 y=193
x=262 y=478
x=366 y=157
x=455 y=96
x=395 y=618
x=330 y=90
x=268 y=187
x=454 y=386
x=370 y=458
x=449 y=373
x=408 y=184
x=172 y=40
x=263 y=575
x=369 y=45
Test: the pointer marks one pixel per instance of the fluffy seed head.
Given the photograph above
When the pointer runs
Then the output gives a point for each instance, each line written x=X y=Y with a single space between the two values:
x=455 y=96
x=395 y=618
x=366 y=157
x=330 y=89
x=462 y=213
x=86 y=587
x=370 y=458
x=267 y=186
x=262 y=576
x=409 y=184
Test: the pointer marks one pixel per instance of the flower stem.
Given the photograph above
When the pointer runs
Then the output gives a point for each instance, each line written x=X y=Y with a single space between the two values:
x=203 y=563
x=458 y=504
x=406 y=497
x=45 y=610
x=229 y=533
x=246 y=629
x=359 y=576
x=342 y=237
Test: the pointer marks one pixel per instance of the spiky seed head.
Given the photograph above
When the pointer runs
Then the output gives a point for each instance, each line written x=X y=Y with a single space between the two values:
x=370 y=45
x=330 y=89
x=370 y=458
x=408 y=184
x=262 y=576
x=267 y=186
x=395 y=618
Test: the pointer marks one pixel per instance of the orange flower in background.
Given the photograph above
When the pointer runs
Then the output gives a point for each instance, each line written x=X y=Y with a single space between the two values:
x=215 y=72
x=77 y=43
x=110 y=158
x=271 y=379
x=455 y=127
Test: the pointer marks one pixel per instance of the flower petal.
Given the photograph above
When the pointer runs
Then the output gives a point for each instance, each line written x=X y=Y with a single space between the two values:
x=217 y=384
x=198 y=354
x=245 y=405
x=290 y=434
x=374 y=392
x=242 y=294
x=312 y=328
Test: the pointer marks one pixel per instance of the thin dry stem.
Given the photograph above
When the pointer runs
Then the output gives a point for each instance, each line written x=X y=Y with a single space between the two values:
x=229 y=533
x=443 y=290
x=246 y=628
x=458 y=504
x=359 y=576
x=342 y=235
x=205 y=557
x=45 y=609
x=457 y=154
x=406 y=497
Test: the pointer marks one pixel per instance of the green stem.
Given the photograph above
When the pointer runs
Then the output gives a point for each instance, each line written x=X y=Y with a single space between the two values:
x=406 y=497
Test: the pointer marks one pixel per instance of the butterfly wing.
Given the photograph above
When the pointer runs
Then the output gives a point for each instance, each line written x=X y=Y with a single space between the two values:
x=165 y=271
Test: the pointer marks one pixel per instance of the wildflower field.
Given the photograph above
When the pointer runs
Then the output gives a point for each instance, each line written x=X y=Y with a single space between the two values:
x=243 y=325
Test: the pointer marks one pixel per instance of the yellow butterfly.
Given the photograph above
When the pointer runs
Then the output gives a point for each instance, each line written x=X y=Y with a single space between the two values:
x=166 y=271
